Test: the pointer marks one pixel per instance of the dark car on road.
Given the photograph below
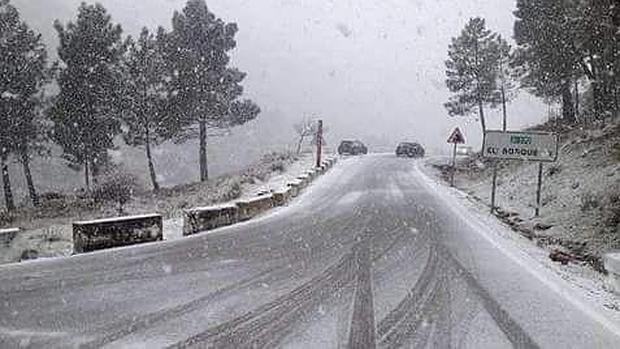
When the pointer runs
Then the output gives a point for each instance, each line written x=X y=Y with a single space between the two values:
x=410 y=150
x=352 y=148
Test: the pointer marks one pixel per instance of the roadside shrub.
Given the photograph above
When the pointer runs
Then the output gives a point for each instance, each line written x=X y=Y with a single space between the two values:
x=116 y=188
x=233 y=191
x=615 y=152
x=277 y=167
x=611 y=206
x=52 y=196
x=6 y=218
x=53 y=202
x=589 y=202
x=547 y=199
x=29 y=255
x=553 y=170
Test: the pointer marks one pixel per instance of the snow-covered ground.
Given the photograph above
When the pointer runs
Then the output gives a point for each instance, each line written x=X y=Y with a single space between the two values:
x=279 y=181
x=43 y=238
x=591 y=288
x=173 y=227
x=580 y=200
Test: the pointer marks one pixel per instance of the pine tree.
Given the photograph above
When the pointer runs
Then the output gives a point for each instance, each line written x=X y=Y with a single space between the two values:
x=86 y=109
x=147 y=115
x=9 y=17
x=472 y=71
x=506 y=76
x=23 y=72
x=545 y=32
x=599 y=48
x=243 y=111
x=205 y=87
x=32 y=136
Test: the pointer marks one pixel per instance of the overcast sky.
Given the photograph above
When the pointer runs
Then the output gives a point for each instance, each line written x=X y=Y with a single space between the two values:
x=372 y=69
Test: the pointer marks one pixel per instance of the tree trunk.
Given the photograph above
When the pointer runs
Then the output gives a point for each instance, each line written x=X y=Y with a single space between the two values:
x=95 y=169
x=617 y=102
x=299 y=144
x=34 y=197
x=597 y=92
x=481 y=113
x=87 y=174
x=576 y=99
x=504 y=123
x=479 y=92
x=149 y=157
x=568 y=111
x=204 y=170
x=6 y=181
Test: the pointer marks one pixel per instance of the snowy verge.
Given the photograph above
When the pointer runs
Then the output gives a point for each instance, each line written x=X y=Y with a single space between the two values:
x=580 y=197
x=52 y=237
x=257 y=200
x=589 y=290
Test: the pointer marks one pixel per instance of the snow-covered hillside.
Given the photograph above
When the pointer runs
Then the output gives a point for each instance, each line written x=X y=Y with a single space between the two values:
x=580 y=211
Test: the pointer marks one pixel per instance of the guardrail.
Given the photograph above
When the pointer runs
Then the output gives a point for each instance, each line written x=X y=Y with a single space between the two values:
x=248 y=209
x=101 y=234
x=107 y=233
x=295 y=187
x=202 y=219
x=612 y=265
x=283 y=197
x=304 y=180
x=7 y=235
x=208 y=218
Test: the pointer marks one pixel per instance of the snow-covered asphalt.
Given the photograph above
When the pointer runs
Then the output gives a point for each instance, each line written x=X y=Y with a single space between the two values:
x=374 y=254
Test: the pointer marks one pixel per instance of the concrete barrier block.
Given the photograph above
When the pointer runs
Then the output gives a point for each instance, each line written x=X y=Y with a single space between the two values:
x=612 y=265
x=304 y=181
x=7 y=236
x=282 y=197
x=248 y=209
x=101 y=234
x=295 y=188
x=201 y=219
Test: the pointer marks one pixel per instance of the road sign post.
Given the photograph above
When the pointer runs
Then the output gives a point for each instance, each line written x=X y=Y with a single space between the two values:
x=494 y=187
x=453 y=166
x=529 y=146
x=455 y=138
x=539 y=188
x=319 y=143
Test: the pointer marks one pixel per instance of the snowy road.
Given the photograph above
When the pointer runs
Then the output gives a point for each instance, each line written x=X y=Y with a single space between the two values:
x=373 y=255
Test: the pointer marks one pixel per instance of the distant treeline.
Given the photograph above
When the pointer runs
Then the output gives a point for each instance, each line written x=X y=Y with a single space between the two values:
x=567 y=52
x=160 y=86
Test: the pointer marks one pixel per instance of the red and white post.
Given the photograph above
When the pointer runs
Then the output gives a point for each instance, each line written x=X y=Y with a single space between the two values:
x=319 y=143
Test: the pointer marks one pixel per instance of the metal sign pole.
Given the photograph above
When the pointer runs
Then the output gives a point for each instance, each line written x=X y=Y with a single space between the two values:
x=494 y=187
x=455 y=138
x=538 y=190
x=453 y=165
x=495 y=163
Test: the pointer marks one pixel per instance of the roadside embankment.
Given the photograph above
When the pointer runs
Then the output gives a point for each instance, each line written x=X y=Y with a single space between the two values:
x=580 y=213
x=48 y=230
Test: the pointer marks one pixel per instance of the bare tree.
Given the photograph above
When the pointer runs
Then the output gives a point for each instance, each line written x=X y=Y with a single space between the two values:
x=307 y=128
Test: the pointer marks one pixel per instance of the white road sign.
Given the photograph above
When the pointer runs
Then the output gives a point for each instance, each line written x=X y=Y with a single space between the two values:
x=531 y=146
